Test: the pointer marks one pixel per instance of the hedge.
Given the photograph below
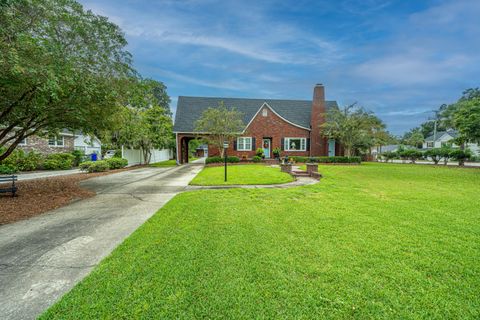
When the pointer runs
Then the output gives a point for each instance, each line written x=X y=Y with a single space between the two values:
x=336 y=159
x=220 y=160
x=95 y=166
x=58 y=161
x=116 y=163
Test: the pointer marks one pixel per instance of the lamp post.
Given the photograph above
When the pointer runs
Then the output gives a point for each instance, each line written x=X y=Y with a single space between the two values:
x=225 y=147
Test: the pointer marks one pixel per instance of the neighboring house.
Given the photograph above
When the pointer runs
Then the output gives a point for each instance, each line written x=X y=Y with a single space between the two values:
x=381 y=149
x=291 y=125
x=201 y=151
x=65 y=141
x=444 y=138
x=87 y=144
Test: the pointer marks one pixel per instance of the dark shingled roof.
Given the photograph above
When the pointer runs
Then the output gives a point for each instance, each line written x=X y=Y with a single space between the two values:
x=440 y=134
x=189 y=109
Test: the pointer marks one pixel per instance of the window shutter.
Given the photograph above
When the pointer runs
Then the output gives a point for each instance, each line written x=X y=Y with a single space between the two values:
x=235 y=144
x=283 y=144
x=308 y=144
x=253 y=144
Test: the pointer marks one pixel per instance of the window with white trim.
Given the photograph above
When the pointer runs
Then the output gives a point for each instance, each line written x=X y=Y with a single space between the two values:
x=429 y=144
x=244 y=144
x=295 y=144
x=55 y=141
x=23 y=142
x=264 y=112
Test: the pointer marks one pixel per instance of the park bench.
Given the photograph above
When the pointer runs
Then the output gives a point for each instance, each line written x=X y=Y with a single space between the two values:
x=12 y=188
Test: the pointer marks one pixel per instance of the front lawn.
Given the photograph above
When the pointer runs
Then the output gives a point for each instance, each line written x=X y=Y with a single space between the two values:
x=241 y=175
x=166 y=163
x=370 y=241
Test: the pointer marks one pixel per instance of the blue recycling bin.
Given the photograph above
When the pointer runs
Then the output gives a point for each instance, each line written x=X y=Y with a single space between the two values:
x=93 y=156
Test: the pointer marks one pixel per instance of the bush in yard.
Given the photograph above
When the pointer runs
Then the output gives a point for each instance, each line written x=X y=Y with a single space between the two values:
x=256 y=159
x=259 y=153
x=230 y=159
x=51 y=164
x=95 y=166
x=335 y=159
x=233 y=159
x=31 y=161
x=116 y=163
x=213 y=160
x=59 y=161
x=389 y=155
x=434 y=154
x=411 y=154
x=445 y=152
x=7 y=169
x=78 y=155
x=460 y=155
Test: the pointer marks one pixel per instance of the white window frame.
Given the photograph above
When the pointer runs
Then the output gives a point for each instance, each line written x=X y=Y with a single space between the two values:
x=245 y=141
x=23 y=142
x=430 y=144
x=303 y=144
x=55 y=140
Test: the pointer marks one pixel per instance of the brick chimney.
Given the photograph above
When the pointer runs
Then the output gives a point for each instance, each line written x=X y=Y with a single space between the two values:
x=318 y=144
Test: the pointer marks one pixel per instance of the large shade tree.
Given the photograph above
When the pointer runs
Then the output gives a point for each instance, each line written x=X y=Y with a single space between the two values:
x=219 y=124
x=355 y=128
x=145 y=120
x=60 y=67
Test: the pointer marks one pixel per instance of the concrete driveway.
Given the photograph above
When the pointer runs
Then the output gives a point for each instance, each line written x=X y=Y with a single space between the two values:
x=44 y=257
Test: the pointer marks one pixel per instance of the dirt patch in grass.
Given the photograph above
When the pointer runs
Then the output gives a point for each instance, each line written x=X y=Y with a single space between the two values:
x=41 y=195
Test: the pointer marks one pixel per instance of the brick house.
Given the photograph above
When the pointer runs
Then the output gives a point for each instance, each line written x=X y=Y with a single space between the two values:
x=65 y=141
x=293 y=126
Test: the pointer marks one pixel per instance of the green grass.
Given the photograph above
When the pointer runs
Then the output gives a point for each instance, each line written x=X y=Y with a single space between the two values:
x=166 y=163
x=379 y=241
x=240 y=175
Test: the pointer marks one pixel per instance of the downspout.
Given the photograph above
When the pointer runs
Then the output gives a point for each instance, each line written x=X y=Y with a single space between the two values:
x=176 y=143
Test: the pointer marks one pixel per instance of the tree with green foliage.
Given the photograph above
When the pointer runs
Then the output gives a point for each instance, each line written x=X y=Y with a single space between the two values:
x=434 y=154
x=413 y=138
x=61 y=67
x=219 y=124
x=355 y=128
x=142 y=123
x=466 y=119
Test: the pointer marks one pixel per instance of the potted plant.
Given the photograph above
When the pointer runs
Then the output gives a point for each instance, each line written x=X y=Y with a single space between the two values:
x=276 y=153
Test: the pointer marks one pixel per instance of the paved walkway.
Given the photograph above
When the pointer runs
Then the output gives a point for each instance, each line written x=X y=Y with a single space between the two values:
x=45 y=174
x=44 y=257
x=301 y=181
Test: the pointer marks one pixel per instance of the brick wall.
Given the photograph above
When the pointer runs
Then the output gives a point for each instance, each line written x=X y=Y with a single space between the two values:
x=269 y=126
x=39 y=144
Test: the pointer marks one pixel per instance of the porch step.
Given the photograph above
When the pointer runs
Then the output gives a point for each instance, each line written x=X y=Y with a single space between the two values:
x=300 y=173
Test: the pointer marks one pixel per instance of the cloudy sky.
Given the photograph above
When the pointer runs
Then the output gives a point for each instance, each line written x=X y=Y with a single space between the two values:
x=400 y=59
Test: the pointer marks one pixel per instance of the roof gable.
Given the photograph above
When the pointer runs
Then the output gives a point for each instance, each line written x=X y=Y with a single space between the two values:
x=189 y=110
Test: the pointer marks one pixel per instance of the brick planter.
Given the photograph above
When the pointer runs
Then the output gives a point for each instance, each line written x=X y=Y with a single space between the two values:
x=311 y=167
x=286 y=168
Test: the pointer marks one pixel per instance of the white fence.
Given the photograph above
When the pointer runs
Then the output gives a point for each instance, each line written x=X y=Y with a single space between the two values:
x=135 y=156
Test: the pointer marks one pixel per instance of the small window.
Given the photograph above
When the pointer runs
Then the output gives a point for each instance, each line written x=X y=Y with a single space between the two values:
x=23 y=142
x=55 y=141
x=264 y=112
x=429 y=144
x=244 y=144
x=295 y=144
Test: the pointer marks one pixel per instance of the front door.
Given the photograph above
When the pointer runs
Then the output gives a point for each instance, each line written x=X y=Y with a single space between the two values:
x=331 y=147
x=266 y=148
